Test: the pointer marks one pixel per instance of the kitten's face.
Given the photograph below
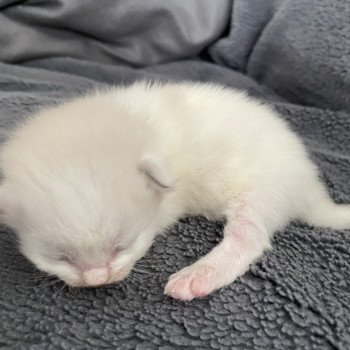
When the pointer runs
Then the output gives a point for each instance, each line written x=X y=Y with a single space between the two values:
x=84 y=236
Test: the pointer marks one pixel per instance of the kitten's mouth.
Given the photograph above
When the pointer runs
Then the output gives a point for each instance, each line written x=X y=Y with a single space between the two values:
x=86 y=286
x=115 y=278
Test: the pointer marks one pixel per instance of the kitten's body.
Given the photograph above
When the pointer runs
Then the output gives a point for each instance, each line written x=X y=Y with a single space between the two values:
x=89 y=184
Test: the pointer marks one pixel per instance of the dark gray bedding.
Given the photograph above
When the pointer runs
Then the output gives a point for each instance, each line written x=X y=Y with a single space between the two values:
x=296 y=297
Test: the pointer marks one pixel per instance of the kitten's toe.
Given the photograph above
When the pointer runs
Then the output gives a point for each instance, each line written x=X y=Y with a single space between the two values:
x=191 y=282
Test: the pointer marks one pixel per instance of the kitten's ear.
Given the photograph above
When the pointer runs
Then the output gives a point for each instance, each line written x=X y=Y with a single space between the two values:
x=156 y=172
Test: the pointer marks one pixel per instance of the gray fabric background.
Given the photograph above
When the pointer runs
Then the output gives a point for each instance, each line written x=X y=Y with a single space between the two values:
x=296 y=297
x=135 y=32
x=299 y=48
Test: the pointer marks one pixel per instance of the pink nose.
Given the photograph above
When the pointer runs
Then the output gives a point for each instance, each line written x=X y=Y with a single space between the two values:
x=96 y=276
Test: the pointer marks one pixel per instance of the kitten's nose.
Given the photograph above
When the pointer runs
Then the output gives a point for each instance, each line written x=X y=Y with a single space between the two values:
x=96 y=276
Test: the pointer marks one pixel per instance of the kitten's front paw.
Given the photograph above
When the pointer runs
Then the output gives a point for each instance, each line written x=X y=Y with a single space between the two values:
x=194 y=281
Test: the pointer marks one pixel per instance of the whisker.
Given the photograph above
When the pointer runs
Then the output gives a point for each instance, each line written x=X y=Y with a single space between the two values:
x=39 y=281
x=135 y=269
x=50 y=283
x=133 y=276
x=158 y=255
x=143 y=264
x=73 y=290
x=56 y=293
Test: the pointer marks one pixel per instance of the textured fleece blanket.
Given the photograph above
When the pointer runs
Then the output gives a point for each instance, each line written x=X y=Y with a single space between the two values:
x=296 y=297
x=300 y=48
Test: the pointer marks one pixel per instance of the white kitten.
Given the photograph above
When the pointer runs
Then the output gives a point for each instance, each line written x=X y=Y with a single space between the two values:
x=89 y=184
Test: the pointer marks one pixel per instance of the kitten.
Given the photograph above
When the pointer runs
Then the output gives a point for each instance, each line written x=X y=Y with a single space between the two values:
x=89 y=184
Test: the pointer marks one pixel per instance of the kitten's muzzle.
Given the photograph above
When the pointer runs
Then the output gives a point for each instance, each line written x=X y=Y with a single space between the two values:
x=96 y=276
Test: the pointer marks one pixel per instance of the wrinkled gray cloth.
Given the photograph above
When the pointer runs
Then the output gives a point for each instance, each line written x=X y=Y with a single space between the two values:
x=296 y=297
x=299 y=48
x=134 y=32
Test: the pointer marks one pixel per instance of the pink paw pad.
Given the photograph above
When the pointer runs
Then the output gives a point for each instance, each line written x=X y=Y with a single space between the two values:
x=191 y=282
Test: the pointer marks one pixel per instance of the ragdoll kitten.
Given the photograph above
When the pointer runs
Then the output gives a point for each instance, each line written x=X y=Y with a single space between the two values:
x=89 y=184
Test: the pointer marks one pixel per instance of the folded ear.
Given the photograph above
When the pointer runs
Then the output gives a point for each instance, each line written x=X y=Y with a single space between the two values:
x=156 y=173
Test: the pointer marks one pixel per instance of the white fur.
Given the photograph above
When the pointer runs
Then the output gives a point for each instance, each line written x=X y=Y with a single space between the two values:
x=89 y=184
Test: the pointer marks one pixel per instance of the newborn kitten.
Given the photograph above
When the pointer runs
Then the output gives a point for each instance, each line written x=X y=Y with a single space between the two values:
x=89 y=184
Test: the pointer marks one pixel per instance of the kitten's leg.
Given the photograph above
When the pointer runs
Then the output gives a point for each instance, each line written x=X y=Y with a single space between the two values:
x=245 y=239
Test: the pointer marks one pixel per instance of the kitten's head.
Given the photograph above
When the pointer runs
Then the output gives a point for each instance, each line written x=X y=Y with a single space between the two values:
x=87 y=229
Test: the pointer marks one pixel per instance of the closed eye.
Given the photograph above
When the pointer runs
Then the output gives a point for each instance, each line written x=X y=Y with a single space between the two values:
x=121 y=248
x=63 y=258
x=116 y=251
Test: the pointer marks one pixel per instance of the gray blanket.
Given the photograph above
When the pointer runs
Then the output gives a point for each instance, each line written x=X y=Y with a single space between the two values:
x=296 y=297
